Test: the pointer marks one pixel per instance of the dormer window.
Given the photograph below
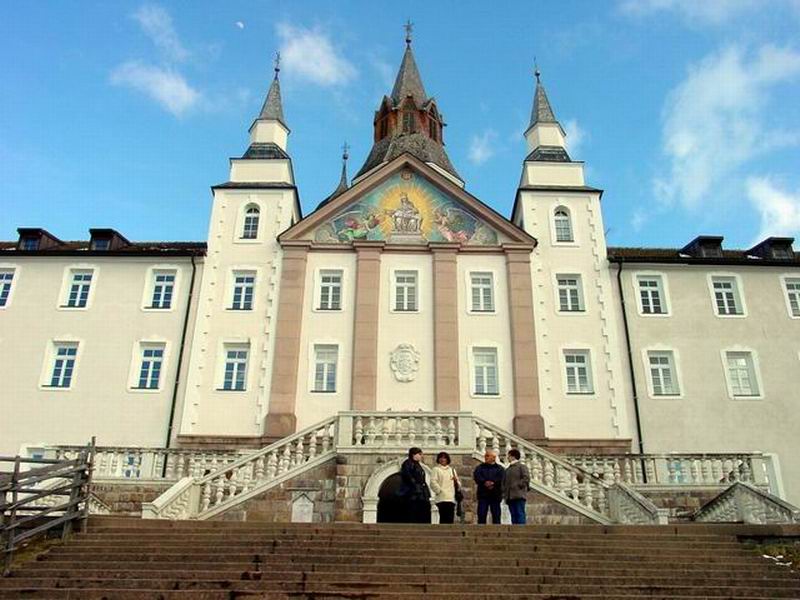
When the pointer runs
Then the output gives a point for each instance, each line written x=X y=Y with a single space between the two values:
x=775 y=248
x=103 y=240
x=101 y=244
x=29 y=244
x=704 y=246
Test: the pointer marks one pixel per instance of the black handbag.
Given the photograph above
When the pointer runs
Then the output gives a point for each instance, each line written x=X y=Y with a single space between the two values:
x=459 y=495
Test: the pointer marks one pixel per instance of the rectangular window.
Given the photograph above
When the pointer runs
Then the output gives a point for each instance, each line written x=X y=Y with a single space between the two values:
x=244 y=283
x=29 y=244
x=330 y=290
x=101 y=244
x=662 y=373
x=325 y=358
x=235 y=376
x=578 y=371
x=742 y=374
x=792 y=291
x=651 y=295
x=570 y=293
x=405 y=291
x=163 y=288
x=152 y=358
x=726 y=296
x=482 y=286
x=485 y=361
x=64 y=355
x=6 y=279
x=79 y=287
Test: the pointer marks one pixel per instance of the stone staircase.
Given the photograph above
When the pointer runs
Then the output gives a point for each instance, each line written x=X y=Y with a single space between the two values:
x=128 y=558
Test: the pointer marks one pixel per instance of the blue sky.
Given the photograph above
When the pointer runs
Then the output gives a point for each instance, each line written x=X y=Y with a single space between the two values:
x=122 y=115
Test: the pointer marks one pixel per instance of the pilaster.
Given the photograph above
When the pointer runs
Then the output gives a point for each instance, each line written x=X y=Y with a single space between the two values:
x=365 y=325
x=445 y=327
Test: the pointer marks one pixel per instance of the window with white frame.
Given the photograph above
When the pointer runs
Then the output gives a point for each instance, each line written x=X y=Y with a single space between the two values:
x=570 y=293
x=727 y=298
x=792 y=293
x=151 y=359
x=234 y=377
x=326 y=357
x=80 y=284
x=563 y=225
x=652 y=299
x=250 y=226
x=244 y=283
x=63 y=368
x=163 y=289
x=663 y=377
x=405 y=291
x=330 y=289
x=6 y=281
x=578 y=368
x=482 y=291
x=485 y=365
x=742 y=374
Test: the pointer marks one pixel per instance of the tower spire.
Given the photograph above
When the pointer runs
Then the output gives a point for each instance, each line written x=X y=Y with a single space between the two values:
x=272 y=108
x=545 y=136
x=343 y=185
x=542 y=111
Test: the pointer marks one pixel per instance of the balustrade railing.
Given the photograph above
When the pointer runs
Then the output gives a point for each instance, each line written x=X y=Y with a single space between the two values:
x=141 y=463
x=246 y=477
x=715 y=469
x=745 y=503
x=400 y=430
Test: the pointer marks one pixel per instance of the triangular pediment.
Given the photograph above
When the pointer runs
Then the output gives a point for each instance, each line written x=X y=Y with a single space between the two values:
x=406 y=202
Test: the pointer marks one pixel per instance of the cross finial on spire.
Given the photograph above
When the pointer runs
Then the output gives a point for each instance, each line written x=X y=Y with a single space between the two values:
x=277 y=62
x=409 y=27
x=536 y=71
x=345 y=150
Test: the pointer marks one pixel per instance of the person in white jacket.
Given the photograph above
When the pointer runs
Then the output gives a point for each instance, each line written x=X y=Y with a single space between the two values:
x=444 y=484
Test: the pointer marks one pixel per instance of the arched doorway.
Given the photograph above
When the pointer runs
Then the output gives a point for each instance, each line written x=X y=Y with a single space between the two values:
x=390 y=508
x=374 y=511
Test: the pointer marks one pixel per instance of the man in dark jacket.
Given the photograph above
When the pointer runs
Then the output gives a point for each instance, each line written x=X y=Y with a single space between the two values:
x=489 y=477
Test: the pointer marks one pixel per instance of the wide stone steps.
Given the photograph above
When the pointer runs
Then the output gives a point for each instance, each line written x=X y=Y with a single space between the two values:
x=123 y=559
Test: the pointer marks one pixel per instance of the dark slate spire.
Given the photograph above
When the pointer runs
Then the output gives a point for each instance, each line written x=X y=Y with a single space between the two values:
x=273 y=107
x=408 y=82
x=343 y=185
x=542 y=112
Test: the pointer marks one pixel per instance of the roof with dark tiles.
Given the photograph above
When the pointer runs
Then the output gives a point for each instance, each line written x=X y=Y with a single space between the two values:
x=417 y=144
x=134 y=248
x=675 y=255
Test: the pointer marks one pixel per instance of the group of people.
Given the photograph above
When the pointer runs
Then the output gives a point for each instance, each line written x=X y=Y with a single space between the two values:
x=494 y=483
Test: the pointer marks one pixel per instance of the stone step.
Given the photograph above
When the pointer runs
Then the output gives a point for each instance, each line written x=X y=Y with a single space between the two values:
x=761 y=569
x=368 y=589
x=257 y=580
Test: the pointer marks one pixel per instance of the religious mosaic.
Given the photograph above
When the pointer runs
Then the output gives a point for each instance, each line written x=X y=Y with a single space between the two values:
x=406 y=209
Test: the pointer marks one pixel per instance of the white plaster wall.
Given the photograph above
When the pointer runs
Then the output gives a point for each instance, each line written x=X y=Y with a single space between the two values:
x=551 y=173
x=396 y=328
x=254 y=170
x=326 y=327
x=705 y=418
x=207 y=410
x=603 y=414
x=100 y=401
x=486 y=329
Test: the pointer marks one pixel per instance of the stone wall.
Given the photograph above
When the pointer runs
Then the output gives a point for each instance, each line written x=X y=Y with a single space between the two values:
x=126 y=497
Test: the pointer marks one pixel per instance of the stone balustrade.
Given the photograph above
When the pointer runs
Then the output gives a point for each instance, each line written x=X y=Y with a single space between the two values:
x=678 y=470
x=402 y=430
x=138 y=463
x=745 y=503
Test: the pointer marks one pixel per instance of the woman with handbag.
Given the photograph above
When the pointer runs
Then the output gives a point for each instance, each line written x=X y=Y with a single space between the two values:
x=447 y=488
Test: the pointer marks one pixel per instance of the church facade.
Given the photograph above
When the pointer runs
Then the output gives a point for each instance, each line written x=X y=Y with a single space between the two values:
x=402 y=292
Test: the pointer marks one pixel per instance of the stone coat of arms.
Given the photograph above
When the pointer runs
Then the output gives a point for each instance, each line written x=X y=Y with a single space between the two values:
x=404 y=362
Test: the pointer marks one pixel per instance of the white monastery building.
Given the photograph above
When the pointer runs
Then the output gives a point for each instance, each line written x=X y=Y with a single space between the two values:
x=404 y=294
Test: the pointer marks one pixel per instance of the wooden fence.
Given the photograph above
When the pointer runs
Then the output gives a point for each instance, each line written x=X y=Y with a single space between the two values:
x=39 y=494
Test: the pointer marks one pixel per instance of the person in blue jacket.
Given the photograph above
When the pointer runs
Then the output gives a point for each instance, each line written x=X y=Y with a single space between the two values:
x=489 y=478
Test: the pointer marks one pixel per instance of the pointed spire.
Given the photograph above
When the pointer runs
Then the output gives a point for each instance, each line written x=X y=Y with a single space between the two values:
x=343 y=185
x=408 y=82
x=273 y=106
x=542 y=111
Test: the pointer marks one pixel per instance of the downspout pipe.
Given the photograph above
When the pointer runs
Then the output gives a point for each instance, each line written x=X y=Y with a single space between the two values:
x=630 y=366
x=180 y=358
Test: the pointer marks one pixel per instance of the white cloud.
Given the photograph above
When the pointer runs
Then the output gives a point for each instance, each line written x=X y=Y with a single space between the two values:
x=712 y=12
x=239 y=24
x=165 y=86
x=779 y=208
x=385 y=72
x=575 y=135
x=482 y=147
x=309 y=54
x=639 y=218
x=156 y=23
x=713 y=121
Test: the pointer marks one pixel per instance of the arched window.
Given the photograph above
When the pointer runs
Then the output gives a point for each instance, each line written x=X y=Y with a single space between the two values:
x=408 y=121
x=250 y=228
x=563 y=225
